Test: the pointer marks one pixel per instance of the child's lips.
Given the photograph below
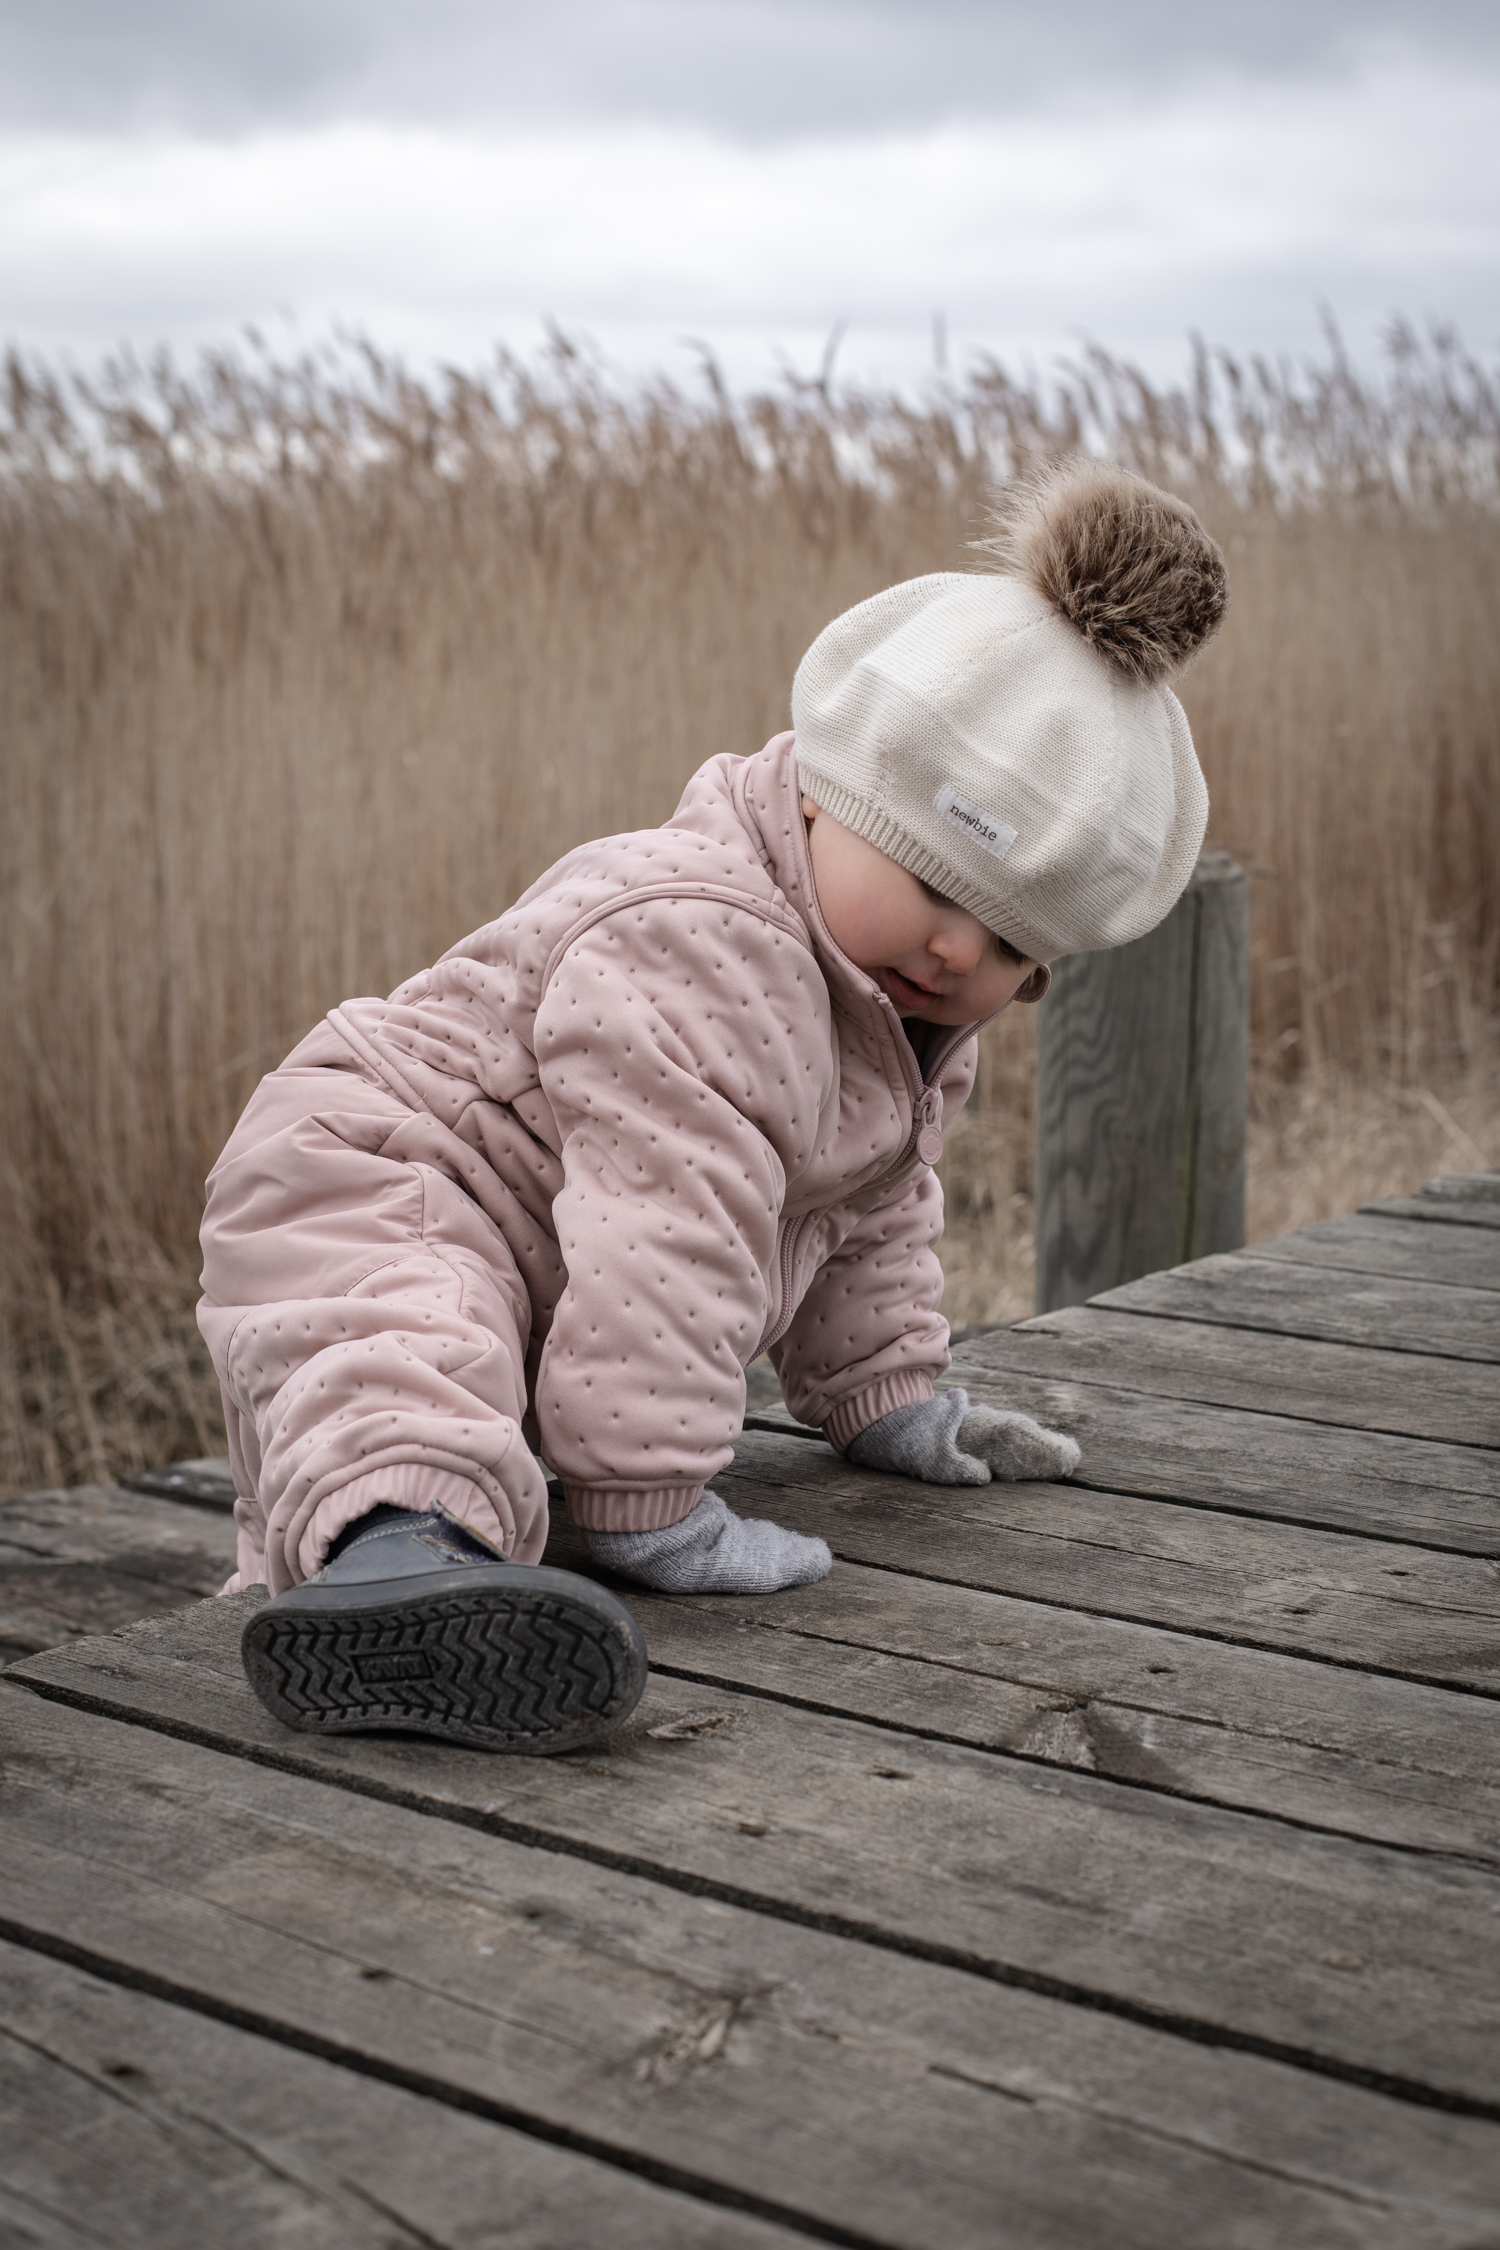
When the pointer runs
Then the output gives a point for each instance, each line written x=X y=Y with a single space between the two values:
x=905 y=992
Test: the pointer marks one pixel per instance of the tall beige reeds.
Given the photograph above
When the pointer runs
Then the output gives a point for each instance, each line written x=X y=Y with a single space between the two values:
x=305 y=671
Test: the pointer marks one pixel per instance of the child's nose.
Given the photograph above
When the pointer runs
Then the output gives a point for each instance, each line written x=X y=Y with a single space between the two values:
x=959 y=948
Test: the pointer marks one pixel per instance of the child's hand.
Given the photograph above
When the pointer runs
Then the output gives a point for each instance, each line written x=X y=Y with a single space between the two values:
x=945 y=1440
x=713 y=1551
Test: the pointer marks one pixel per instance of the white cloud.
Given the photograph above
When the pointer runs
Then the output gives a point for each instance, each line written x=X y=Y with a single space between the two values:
x=1234 y=208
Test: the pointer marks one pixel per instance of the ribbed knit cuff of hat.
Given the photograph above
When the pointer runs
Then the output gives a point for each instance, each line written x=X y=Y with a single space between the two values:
x=1009 y=736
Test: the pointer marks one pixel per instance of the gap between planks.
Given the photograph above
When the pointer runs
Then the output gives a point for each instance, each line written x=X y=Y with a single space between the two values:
x=1229 y=1461
x=1275 y=1730
x=1104 y=1718
x=1127 y=1745
x=866 y=2079
x=1400 y=1249
x=1434 y=1204
x=1077 y=1848
x=122 y=2102
x=1251 y=1583
x=1444 y=1684
x=1238 y=1290
x=1240 y=2140
x=1199 y=1362
x=303 y=2040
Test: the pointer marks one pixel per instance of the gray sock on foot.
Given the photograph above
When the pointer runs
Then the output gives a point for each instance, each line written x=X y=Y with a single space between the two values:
x=945 y=1440
x=713 y=1551
x=921 y=1441
x=1013 y=1446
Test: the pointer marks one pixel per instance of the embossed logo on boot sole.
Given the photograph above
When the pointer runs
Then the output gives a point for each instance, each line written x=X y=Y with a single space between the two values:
x=375 y=1670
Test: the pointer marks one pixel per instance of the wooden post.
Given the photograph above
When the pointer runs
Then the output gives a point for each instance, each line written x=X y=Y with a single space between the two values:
x=1142 y=1056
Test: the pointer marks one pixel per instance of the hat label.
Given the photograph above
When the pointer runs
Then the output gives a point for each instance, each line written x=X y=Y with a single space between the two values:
x=990 y=835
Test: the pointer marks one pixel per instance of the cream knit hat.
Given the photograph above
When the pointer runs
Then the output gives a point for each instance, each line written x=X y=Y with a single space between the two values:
x=1009 y=737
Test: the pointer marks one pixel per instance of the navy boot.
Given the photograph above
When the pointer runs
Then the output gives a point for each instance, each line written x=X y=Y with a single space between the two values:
x=417 y=1624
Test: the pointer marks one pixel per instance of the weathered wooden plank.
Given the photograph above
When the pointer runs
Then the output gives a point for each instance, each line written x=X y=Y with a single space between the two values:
x=1372 y=1482
x=1242 y=1291
x=145 y=2126
x=1368 y=1959
x=204 y=1483
x=1463 y=1199
x=90 y=1559
x=1385 y=1759
x=1464 y=1187
x=1378 y=1605
x=884 y=2098
x=1370 y=1242
x=1257 y=1464
x=1413 y=1395
x=1424 y=1613
x=1142 y=1053
x=1455 y=1213
x=107 y=1523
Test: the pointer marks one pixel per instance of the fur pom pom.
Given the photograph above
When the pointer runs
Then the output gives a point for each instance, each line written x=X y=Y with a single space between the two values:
x=1125 y=562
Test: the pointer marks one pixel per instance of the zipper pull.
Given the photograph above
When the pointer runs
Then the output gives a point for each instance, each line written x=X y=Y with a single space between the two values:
x=928 y=1119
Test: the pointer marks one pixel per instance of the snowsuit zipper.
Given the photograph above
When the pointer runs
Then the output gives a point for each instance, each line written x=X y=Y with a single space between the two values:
x=926 y=1137
x=925 y=1140
x=787 y=1310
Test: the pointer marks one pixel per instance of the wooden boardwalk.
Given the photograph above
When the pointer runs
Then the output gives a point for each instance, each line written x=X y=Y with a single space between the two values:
x=1114 y=1863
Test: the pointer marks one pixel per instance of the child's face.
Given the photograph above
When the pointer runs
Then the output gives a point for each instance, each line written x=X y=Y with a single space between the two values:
x=932 y=959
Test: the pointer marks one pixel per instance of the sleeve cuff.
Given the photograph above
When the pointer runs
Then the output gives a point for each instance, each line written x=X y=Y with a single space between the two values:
x=630 y=1507
x=406 y=1484
x=907 y=1387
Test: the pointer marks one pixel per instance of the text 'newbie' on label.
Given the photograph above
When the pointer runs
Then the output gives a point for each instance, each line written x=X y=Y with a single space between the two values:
x=990 y=834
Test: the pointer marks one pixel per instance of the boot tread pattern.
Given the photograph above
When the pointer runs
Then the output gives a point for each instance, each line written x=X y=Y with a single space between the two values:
x=527 y=1673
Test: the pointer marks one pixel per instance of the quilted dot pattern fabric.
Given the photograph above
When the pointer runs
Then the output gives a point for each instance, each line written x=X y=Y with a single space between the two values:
x=557 y=1191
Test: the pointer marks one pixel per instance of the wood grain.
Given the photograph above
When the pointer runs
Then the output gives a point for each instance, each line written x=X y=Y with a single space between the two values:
x=90 y=1559
x=204 y=1483
x=1141 y=1068
x=1256 y=1464
x=1375 y=1605
x=1115 y=1855
x=890 y=2099
x=1409 y=1394
x=1369 y=1242
x=1387 y=1760
x=1130 y=1898
x=1445 y=1213
x=1244 y=1291
x=147 y=2126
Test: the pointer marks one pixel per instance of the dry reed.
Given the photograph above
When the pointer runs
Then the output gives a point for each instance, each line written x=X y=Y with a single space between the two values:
x=304 y=671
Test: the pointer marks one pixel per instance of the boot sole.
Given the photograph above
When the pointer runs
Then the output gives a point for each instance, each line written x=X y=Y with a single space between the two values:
x=499 y=1657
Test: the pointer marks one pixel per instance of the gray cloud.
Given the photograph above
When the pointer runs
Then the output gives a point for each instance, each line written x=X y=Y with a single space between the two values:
x=755 y=69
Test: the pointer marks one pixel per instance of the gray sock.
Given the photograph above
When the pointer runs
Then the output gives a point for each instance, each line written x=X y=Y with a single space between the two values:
x=921 y=1441
x=713 y=1551
x=944 y=1440
x=1013 y=1446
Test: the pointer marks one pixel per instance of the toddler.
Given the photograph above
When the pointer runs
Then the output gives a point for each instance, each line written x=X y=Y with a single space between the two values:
x=677 y=1107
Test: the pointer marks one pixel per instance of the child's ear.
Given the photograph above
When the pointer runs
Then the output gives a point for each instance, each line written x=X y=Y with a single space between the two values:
x=809 y=809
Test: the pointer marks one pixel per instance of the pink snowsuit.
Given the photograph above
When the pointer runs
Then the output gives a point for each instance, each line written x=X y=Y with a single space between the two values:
x=560 y=1189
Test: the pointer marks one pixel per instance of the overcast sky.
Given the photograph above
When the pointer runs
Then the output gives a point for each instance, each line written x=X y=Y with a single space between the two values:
x=445 y=174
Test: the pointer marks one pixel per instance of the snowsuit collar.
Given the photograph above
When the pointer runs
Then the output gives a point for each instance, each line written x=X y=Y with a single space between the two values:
x=767 y=798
